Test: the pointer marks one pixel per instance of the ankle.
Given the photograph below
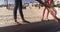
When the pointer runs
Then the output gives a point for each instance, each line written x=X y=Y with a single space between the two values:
x=15 y=20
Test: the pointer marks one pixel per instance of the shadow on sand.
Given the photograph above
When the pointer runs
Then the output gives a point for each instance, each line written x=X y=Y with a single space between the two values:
x=44 y=26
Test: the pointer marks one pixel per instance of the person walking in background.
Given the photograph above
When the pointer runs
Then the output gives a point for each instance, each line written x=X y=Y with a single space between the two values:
x=50 y=9
x=18 y=4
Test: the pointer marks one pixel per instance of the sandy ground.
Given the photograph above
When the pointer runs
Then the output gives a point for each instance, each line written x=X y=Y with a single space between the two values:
x=31 y=14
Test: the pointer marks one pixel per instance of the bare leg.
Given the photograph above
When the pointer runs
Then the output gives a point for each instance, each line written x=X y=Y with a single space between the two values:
x=43 y=14
x=47 y=14
x=54 y=16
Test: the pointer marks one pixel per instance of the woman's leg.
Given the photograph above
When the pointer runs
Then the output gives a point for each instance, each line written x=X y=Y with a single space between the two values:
x=53 y=14
x=43 y=14
x=47 y=13
x=54 y=10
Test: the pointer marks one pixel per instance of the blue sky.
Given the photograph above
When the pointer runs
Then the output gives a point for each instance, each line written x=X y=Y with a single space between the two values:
x=1 y=2
x=27 y=0
x=12 y=1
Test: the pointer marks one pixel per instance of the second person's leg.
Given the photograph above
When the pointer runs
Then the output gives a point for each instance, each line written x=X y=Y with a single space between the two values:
x=43 y=13
x=53 y=14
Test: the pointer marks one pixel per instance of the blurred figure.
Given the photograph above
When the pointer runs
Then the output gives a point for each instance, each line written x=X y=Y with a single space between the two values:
x=50 y=9
x=18 y=4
